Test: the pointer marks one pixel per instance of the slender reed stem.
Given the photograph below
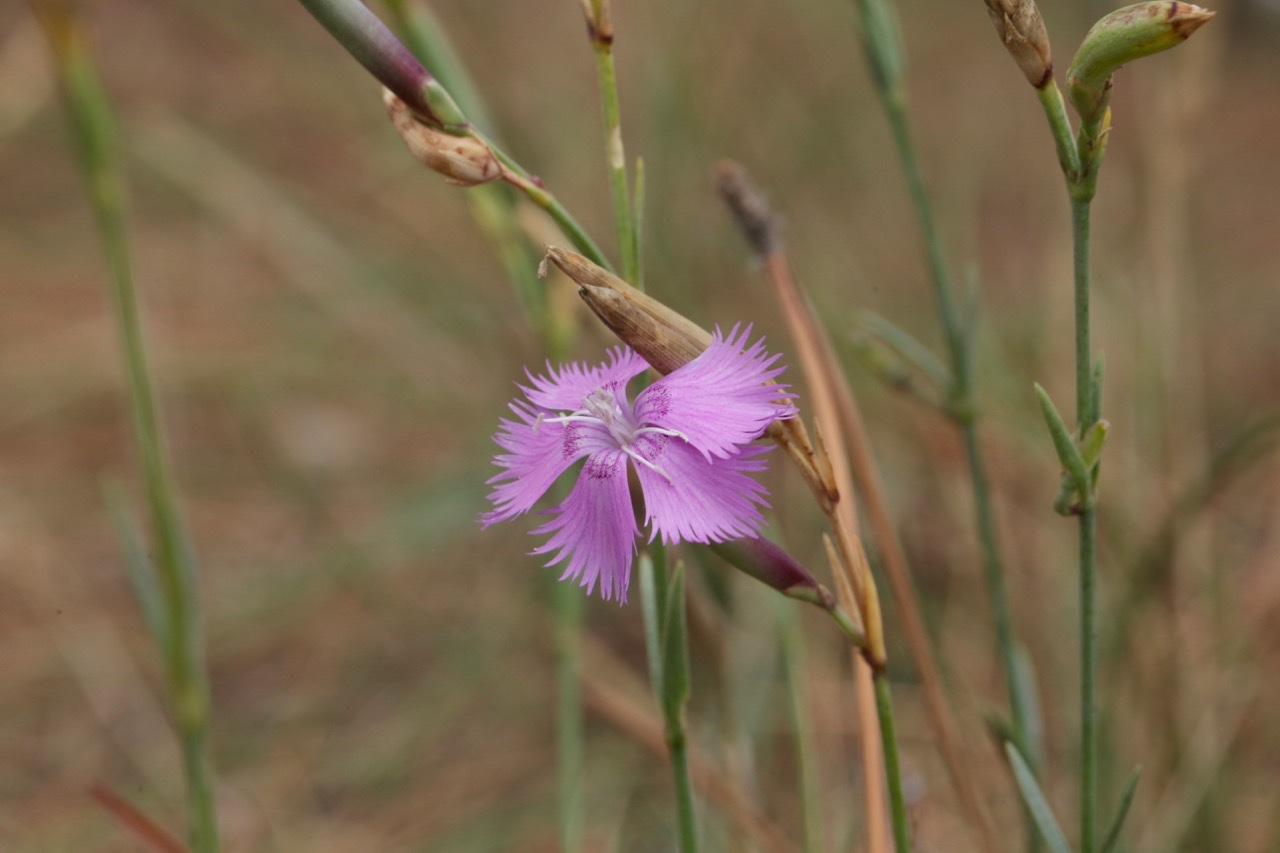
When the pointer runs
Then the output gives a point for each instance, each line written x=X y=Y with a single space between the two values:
x=897 y=804
x=94 y=133
x=1086 y=415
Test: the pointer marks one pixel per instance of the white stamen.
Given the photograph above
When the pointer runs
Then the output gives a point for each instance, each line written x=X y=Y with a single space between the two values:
x=627 y=449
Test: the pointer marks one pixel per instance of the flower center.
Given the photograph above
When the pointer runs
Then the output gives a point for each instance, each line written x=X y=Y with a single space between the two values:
x=602 y=407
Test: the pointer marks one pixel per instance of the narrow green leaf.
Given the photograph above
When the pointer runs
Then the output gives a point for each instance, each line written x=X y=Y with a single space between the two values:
x=1041 y=813
x=675 y=648
x=1064 y=444
x=969 y=310
x=142 y=572
x=909 y=348
x=649 y=605
x=1095 y=389
x=1024 y=686
x=882 y=39
x=1130 y=789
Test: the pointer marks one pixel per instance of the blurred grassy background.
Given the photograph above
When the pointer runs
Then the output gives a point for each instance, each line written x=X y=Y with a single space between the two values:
x=335 y=342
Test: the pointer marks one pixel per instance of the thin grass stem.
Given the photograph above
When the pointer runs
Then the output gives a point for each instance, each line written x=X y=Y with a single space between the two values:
x=93 y=131
x=963 y=408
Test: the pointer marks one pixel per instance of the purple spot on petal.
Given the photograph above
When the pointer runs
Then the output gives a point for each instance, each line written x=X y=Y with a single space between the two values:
x=651 y=445
x=569 y=446
x=659 y=401
x=599 y=468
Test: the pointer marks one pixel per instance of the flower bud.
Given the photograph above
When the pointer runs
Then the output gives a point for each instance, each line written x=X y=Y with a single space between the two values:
x=1123 y=36
x=1020 y=27
x=774 y=567
x=464 y=160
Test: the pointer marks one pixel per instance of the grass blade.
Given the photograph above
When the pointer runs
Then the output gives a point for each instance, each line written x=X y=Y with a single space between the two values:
x=1130 y=789
x=1041 y=813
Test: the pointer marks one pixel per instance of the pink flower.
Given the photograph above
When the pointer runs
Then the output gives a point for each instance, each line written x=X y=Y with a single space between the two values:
x=685 y=437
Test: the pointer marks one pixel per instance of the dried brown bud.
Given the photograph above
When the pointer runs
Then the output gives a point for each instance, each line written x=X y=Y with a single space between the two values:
x=663 y=337
x=463 y=160
x=1021 y=28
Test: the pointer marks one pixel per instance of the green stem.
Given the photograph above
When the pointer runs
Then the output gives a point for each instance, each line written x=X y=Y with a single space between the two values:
x=1064 y=142
x=615 y=153
x=567 y=606
x=667 y=642
x=793 y=662
x=94 y=133
x=954 y=334
x=1085 y=417
x=541 y=197
x=677 y=748
x=897 y=804
x=993 y=569
x=964 y=410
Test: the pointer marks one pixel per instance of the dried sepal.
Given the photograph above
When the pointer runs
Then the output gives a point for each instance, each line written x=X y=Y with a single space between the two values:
x=1022 y=31
x=463 y=160
x=664 y=337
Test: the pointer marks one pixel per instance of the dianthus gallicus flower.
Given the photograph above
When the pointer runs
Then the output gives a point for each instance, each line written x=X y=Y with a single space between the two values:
x=686 y=437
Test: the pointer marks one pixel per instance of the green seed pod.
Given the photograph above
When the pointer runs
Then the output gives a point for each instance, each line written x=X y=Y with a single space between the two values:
x=1123 y=36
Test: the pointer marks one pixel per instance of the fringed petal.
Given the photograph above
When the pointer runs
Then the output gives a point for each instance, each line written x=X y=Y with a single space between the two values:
x=594 y=531
x=538 y=452
x=719 y=401
x=563 y=390
x=689 y=498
